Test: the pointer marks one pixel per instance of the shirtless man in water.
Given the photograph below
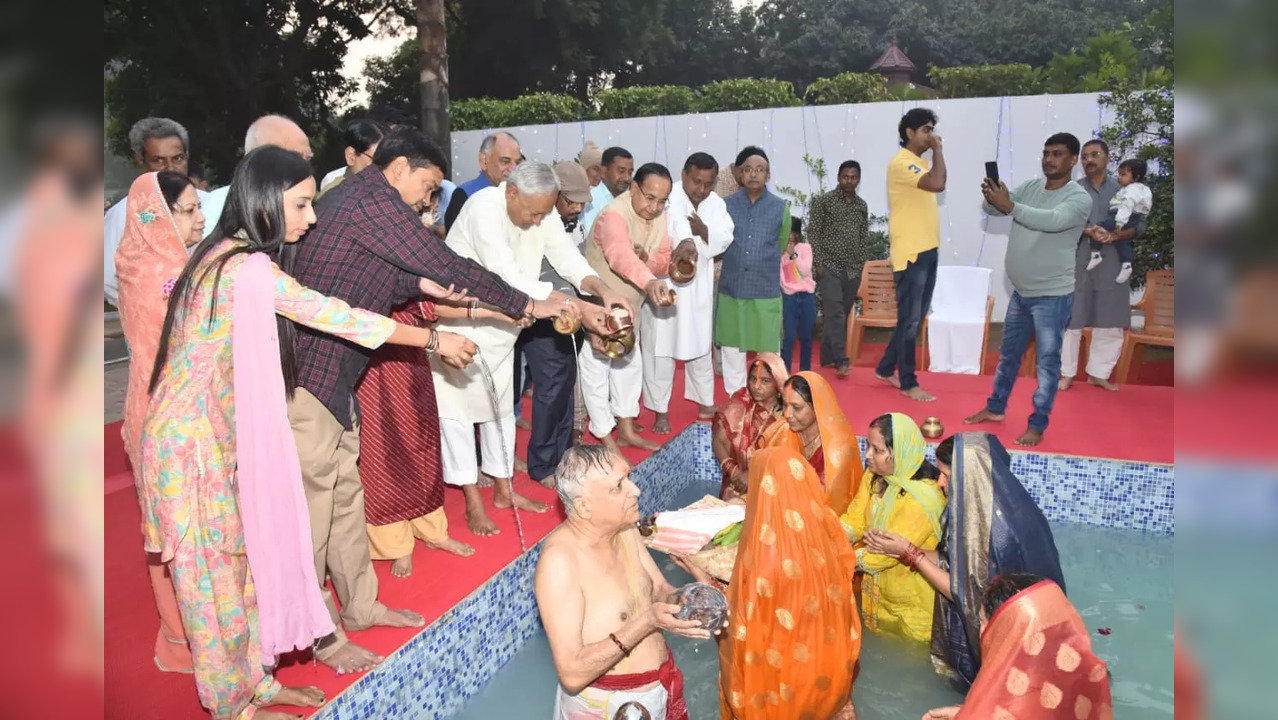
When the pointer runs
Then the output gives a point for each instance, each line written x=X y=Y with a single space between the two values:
x=601 y=597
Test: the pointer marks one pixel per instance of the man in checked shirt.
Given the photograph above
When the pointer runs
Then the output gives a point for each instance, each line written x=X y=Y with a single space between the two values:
x=370 y=248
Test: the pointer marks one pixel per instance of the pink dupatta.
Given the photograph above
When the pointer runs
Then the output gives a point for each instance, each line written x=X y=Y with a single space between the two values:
x=277 y=527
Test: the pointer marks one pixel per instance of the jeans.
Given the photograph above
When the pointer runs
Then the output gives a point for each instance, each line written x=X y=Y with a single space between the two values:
x=914 y=286
x=1044 y=319
x=837 y=288
x=799 y=320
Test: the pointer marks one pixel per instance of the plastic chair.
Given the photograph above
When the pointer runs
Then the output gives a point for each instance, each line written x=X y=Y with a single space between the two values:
x=1159 y=307
x=959 y=324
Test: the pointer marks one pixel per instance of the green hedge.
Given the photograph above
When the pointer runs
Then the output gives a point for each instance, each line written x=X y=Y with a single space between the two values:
x=848 y=87
x=635 y=102
x=746 y=94
x=986 y=80
x=536 y=109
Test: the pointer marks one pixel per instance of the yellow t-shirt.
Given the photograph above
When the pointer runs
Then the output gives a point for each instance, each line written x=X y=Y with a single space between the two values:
x=914 y=223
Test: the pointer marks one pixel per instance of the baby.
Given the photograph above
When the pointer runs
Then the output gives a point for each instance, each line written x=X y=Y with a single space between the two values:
x=1134 y=199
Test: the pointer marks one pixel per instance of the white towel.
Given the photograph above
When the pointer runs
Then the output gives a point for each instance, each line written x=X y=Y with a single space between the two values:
x=687 y=531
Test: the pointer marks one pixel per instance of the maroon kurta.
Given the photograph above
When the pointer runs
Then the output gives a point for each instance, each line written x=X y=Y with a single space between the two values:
x=399 y=461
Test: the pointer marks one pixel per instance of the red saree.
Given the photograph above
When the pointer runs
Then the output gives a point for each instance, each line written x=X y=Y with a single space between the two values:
x=1037 y=663
x=743 y=421
x=399 y=461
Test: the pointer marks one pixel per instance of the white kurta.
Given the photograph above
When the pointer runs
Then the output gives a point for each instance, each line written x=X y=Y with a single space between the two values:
x=684 y=331
x=483 y=232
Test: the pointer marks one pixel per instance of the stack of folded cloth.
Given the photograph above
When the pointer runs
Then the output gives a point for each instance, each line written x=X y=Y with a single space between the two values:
x=687 y=531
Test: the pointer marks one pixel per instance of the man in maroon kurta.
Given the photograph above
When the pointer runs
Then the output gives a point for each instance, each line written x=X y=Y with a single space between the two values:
x=399 y=461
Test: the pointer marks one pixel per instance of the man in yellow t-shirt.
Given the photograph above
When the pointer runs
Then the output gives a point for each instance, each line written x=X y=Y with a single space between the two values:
x=914 y=236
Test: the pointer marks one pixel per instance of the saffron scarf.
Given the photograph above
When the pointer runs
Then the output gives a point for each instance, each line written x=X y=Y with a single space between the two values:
x=277 y=527
x=1038 y=663
x=795 y=635
x=842 y=454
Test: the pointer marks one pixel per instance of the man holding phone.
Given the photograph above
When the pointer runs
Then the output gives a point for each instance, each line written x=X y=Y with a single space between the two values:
x=1048 y=213
x=914 y=235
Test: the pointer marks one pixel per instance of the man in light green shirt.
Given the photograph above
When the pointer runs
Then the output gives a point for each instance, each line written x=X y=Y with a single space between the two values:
x=1048 y=213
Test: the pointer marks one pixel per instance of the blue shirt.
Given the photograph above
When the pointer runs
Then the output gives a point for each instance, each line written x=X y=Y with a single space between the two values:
x=600 y=196
x=446 y=188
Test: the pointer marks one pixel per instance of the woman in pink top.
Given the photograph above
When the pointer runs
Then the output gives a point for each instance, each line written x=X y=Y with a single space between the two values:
x=798 y=289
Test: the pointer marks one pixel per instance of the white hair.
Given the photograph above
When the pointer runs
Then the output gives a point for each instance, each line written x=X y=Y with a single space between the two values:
x=534 y=177
x=252 y=139
x=156 y=128
x=578 y=467
x=491 y=140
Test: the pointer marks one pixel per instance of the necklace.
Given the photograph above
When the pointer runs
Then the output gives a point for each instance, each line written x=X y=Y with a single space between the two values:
x=809 y=444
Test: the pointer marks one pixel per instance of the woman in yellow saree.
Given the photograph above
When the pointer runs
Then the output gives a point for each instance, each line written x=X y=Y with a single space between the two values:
x=816 y=428
x=794 y=634
x=896 y=495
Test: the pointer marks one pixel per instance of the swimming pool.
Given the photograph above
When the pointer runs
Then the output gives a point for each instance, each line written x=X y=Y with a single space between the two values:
x=487 y=657
x=1118 y=579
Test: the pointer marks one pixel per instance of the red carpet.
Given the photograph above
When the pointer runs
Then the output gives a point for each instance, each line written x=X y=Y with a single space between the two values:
x=1133 y=424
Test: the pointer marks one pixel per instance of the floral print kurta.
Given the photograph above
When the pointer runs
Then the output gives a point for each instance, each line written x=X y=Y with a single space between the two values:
x=190 y=502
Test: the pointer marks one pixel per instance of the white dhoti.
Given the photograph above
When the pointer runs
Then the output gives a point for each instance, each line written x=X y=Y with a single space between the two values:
x=610 y=388
x=680 y=332
x=457 y=449
x=595 y=704
x=1102 y=354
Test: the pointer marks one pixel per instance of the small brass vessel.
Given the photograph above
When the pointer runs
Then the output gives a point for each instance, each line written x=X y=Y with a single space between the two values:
x=566 y=323
x=620 y=344
x=932 y=428
x=683 y=270
x=618 y=320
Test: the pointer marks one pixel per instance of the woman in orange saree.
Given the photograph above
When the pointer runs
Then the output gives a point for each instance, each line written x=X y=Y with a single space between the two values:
x=794 y=634
x=1036 y=658
x=816 y=428
x=740 y=423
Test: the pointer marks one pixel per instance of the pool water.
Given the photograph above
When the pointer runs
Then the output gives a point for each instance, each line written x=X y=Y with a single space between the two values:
x=1119 y=580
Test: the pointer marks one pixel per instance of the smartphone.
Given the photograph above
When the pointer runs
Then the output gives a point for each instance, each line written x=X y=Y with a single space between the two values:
x=991 y=172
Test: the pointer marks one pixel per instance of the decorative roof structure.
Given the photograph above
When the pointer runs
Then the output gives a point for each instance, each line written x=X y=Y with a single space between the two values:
x=894 y=64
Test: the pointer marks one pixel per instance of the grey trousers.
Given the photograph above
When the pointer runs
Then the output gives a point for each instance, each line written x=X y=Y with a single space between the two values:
x=837 y=290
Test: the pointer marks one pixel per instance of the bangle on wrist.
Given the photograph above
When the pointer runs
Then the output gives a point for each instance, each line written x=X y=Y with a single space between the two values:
x=433 y=344
x=625 y=651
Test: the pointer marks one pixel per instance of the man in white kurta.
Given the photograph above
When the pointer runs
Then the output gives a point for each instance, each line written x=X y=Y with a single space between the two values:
x=509 y=229
x=684 y=330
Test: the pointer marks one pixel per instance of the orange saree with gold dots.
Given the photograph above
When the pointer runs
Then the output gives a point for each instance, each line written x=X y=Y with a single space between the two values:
x=794 y=634
x=838 y=462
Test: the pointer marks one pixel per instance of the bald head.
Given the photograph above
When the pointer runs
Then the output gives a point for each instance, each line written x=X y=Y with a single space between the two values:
x=280 y=131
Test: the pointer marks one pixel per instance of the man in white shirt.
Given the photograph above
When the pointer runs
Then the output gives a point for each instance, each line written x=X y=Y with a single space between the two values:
x=509 y=229
x=157 y=144
x=266 y=130
x=683 y=331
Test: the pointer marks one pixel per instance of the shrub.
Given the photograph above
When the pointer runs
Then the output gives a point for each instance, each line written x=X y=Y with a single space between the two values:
x=746 y=94
x=646 y=101
x=848 y=87
x=986 y=80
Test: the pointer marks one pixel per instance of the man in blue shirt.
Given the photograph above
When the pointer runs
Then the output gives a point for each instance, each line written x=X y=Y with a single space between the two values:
x=618 y=169
x=498 y=155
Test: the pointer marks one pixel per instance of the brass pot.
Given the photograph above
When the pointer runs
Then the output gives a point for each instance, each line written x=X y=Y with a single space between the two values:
x=683 y=270
x=932 y=428
x=618 y=320
x=566 y=323
x=620 y=344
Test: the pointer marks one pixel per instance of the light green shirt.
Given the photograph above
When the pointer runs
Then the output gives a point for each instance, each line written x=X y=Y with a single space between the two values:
x=1046 y=225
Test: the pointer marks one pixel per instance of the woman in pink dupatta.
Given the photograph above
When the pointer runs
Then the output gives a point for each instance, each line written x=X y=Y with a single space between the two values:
x=740 y=423
x=223 y=501
x=164 y=219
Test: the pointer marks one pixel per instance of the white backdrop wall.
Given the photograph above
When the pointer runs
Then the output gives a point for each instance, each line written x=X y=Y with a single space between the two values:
x=1008 y=129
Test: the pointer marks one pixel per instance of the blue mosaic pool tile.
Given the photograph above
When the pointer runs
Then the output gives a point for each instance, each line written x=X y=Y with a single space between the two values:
x=437 y=672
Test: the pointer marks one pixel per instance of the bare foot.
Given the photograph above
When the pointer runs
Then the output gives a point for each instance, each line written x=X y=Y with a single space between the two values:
x=505 y=496
x=981 y=417
x=1103 y=383
x=523 y=423
x=456 y=547
x=918 y=393
x=847 y=712
x=1065 y=383
x=706 y=412
x=400 y=619
x=483 y=480
x=402 y=567
x=521 y=465
x=662 y=425
x=1029 y=438
x=548 y=482
x=476 y=516
x=627 y=440
x=845 y=369
x=309 y=696
x=351 y=658
x=275 y=715
x=607 y=441
x=890 y=380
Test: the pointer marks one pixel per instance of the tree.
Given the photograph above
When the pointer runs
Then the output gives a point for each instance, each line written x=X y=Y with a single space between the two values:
x=705 y=41
x=216 y=67
x=432 y=38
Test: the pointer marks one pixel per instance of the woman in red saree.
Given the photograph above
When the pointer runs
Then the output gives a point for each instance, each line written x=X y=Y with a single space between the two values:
x=1036 y=658
x=794 y=635
x=164 y=219
x=741 y=421
x=816 y=428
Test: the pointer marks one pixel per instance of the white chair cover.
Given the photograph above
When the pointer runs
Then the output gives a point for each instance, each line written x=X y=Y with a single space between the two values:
x=956 y=325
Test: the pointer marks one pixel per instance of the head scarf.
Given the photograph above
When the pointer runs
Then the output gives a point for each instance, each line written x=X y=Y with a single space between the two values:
x=795 y=634
x=1039 y=662
x=148 y=262
x=907 y=453
x=742 y=420
x=992 y=526
x=843 y=468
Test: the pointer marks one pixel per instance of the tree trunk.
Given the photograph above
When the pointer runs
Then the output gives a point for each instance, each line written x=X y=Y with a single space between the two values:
x=432 y=40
